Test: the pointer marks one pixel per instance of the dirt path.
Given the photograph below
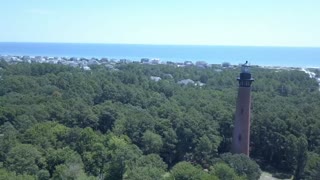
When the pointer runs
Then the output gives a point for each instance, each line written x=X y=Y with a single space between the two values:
x=268 y=176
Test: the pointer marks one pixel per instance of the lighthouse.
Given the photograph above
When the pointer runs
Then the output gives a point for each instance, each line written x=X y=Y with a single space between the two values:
x=241 y=131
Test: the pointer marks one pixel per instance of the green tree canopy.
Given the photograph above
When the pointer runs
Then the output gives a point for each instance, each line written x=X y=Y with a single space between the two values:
x=24 y=159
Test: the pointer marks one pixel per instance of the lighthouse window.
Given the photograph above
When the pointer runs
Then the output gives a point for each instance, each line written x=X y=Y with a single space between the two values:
x=241 y=110
x=239 y=137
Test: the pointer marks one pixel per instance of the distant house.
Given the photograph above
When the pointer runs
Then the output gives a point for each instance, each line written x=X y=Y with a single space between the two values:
x=83 y=59
x=170 y=63
x=155 y=78
x=73 y=59
x=226 y=64
x=40 y=60
x=15 y=60
x=180 y=64
x=26 y=58
x=38 y=57
x=186 y=82
x=188 y=63
x=73 y=64
x=155 y=61
x=93 y=61
x=65 y=58
x=124 y=61
x=201 y=64
x=86 y=68
x=145 y=60
x=35 y=59
x=104 y=60
x=113 y=60
x=198 y=83
x=52 y=61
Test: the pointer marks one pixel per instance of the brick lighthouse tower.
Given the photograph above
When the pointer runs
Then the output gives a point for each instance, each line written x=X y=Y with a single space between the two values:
x=241 y=131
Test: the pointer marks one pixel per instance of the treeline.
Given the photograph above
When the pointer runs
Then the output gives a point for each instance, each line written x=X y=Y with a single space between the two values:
x=58 y=122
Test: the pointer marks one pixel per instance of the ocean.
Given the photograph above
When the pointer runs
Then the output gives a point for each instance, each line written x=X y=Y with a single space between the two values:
x=262 y=56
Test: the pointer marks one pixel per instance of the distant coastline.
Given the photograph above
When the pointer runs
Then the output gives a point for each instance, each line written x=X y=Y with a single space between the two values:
x=85 y=62
x=262 y=56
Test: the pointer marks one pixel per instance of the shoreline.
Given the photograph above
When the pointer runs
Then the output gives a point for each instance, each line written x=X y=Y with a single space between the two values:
x=306 y=57
x=143 y=60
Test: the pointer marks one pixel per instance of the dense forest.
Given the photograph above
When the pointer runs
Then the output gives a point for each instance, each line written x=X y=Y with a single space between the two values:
x=58 y=122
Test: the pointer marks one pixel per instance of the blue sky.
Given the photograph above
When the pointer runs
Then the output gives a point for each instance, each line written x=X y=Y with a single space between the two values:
x=198 y=22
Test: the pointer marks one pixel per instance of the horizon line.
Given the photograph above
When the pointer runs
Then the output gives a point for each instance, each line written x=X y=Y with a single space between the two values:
x=160 y=44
